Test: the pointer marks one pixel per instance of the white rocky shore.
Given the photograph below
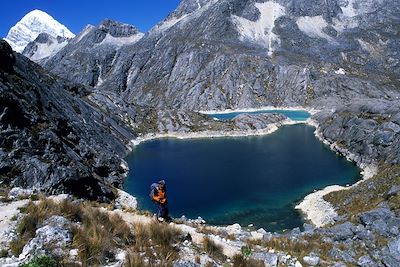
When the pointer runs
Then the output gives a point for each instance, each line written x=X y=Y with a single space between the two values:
x=314 y=207
x=268 y=129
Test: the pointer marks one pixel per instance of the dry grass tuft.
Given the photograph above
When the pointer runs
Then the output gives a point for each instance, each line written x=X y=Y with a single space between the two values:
x=299 y=247
x=156 y=243
x=213 y=249
x=240 y=261
x=96 y=236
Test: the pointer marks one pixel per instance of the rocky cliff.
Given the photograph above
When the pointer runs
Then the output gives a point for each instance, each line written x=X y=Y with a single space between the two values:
x=240 y=54
x=52 y=137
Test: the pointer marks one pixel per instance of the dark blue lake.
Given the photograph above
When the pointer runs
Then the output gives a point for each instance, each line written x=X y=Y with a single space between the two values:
x=242 y=180
x=297 y=115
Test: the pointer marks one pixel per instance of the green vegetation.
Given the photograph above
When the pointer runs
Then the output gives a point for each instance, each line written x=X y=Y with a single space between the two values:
x=3 y=253
x=41 y=261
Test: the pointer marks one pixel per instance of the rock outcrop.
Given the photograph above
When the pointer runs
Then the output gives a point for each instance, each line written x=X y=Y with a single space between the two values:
x=52 y=137
x=88 y=57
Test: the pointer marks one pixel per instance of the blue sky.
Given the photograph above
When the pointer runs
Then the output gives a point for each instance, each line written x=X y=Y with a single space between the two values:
x=75 y=15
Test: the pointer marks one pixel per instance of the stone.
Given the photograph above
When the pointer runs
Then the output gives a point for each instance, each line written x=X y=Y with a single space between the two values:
x=394 y=248
x=338 y=254
x=56 y=233
x=234 y=229
x=389 y=261
x=342 y=231
x=18 y=192
x=366 y=261
x=295 y=231
x=269 y=259
x=184 y=263
x=311 y=260
x=363 y=234
x=125 y=201
x=381 y=227
x=256 y=235
x=394 y=190
x=199 y=220
x=369 y=217
x=308 y=228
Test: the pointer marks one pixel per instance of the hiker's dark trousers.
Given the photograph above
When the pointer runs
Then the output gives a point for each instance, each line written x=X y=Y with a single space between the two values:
x=163 y=211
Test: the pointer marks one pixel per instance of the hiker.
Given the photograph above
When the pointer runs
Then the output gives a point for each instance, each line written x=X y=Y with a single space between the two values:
x=158 y=195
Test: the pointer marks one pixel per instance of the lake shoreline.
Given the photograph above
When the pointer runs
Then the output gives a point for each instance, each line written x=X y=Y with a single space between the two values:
x=313 y=207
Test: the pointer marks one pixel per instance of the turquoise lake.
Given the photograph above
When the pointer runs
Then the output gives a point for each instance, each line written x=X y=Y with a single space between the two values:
x=246 y=180
x=297 y=115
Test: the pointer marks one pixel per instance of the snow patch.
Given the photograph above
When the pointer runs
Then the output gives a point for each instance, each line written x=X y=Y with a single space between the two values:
x=313 y=26
x=340 y=71
x=47 y=50
x=260 y=31
x=349 y=10
x=121 y=41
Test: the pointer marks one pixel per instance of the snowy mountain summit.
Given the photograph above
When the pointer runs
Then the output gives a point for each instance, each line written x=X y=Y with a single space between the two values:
x=31 y=25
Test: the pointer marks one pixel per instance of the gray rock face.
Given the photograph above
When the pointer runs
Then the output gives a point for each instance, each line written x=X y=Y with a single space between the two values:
x=53 y=138
x=362 y=127
x=88 y=58
x=320 y=53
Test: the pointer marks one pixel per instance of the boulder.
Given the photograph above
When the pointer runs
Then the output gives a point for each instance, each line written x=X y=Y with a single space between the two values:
x=366 y=261
x=56 y=233
x=338 y=254
x=311 y=260
x=18 y=192
x=125 y=201
x=234 y=229
x=269 y=259
x=394 y=190
x=342 y=231
x=369 y=217
x=394 y=248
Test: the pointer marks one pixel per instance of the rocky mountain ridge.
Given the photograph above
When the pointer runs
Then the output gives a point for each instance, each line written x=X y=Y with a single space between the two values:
x=245 y=54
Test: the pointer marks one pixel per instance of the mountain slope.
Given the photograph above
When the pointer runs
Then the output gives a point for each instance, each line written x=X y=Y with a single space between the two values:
x=241 y=54
x=52 y=137
x=31 y=25
x=88 y=57
x=44 y=47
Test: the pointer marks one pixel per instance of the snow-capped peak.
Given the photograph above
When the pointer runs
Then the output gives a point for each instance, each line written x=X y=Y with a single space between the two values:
x=31 y=25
